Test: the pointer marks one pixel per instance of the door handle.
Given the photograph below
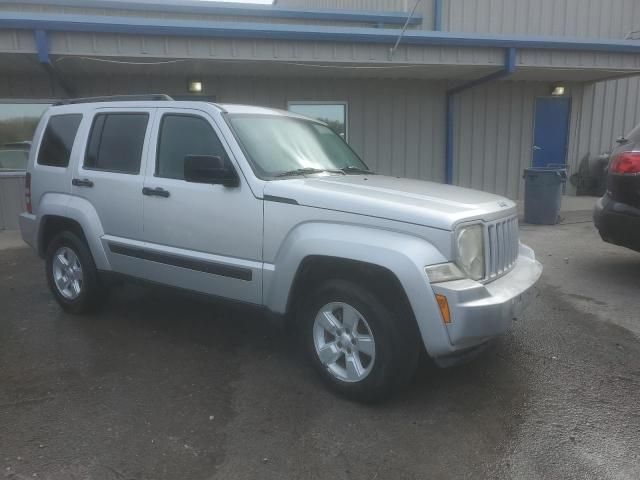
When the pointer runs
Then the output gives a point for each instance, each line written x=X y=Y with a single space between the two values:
x=85 y=182
x=535 y=147
x=155 y=192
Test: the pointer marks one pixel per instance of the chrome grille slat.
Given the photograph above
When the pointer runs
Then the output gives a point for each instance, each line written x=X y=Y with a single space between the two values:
x=502 y=246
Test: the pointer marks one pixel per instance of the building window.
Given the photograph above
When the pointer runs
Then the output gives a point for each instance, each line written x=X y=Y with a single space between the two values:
x=57 y=141
x=18 y=121
x=334 y=114
x=116 y=142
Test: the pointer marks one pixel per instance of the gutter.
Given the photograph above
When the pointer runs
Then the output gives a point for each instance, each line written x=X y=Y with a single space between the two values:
x=506 y=71
x=274 y=31
x=437 y=15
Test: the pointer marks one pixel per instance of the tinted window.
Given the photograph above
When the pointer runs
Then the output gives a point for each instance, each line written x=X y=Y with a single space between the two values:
x=182 y=135
x=116 y=142
x=58 y=138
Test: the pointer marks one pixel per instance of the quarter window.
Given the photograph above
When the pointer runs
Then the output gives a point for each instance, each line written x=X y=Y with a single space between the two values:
x=180 y=136
x=57 y=141
x=116 y=141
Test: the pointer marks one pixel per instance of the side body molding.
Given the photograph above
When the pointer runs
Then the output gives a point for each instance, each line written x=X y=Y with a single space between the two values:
x=404 y=255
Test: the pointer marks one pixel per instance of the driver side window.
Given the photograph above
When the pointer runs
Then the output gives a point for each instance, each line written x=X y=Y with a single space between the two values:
x=180 y=136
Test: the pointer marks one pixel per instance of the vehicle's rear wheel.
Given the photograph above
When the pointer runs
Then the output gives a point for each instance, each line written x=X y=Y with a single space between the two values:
x=72 y=274
x=362 y=348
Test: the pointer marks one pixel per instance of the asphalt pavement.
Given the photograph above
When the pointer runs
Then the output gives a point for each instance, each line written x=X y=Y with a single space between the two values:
x=165 y=386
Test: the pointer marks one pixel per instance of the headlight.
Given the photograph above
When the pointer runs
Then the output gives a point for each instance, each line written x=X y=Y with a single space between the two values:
x=470 y=247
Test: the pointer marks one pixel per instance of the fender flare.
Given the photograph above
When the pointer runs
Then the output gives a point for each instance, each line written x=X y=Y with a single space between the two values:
x=82 y=212
x=403 y=255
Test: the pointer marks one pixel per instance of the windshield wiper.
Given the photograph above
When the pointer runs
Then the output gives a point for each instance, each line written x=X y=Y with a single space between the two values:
x=352 y=169
x=307 y=171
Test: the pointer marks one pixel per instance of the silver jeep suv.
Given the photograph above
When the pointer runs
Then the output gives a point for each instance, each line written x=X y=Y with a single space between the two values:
x=275 y=210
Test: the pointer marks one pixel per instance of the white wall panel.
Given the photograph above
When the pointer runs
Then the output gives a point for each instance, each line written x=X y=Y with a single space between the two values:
x=494 y=135
x=571 y=18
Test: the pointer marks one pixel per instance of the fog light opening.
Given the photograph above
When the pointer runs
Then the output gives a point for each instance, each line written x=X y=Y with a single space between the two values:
x=443 y=304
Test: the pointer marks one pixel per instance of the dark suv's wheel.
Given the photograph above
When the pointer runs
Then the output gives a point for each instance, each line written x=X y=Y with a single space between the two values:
x=72 y=274
x=362 y=348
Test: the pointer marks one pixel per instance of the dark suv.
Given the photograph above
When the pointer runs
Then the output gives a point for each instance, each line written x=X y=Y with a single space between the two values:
x=617 y=214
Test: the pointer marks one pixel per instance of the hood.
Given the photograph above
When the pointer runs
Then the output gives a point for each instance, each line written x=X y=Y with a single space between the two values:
x=404 y=200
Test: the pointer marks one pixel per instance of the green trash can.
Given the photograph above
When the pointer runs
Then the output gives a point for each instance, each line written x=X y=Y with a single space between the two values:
x=543 y=195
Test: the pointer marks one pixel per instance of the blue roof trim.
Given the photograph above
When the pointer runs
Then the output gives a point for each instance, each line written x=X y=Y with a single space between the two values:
x=244 y=10
x=437 y=15
x=247 y=30
x=42 y=45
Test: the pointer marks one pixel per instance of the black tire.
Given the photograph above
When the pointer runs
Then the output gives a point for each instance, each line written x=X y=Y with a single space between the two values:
x=397 y=348
x=92 y=292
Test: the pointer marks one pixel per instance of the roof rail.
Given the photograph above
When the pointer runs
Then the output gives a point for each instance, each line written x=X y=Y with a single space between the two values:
x=116 y=98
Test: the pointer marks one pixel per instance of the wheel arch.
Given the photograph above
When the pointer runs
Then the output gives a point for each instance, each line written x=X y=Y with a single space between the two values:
x=64 y=212
x=358 y=253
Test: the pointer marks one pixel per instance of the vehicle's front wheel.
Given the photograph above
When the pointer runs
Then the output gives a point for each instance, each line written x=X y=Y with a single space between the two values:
x=72 y=274
x=362 y=348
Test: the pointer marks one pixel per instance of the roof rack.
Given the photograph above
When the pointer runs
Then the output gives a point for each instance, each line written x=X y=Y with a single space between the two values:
x=116 y=98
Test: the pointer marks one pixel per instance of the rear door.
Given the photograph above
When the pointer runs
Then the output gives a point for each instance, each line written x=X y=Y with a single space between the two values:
x=110 y=176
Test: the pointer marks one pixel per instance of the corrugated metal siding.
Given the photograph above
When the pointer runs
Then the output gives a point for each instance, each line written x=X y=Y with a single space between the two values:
x=571 y=18
x=380 y=5
x=150 y=13
x=604 y=112
x=494 y=135
x=397 y=126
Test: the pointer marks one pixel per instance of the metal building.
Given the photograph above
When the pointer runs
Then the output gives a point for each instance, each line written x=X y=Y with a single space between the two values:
x=472 y=92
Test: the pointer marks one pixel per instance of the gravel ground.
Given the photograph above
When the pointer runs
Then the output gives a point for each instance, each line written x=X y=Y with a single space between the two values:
x=162 y=386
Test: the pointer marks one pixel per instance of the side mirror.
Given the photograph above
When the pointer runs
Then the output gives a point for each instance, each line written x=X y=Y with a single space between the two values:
x=210 y=169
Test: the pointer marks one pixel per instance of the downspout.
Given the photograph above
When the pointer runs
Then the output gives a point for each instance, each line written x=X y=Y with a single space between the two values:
x=42 y=47
x=437 y=15
x=508 y=70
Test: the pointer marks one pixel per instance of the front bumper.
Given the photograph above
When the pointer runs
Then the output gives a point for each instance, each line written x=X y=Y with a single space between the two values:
x=480 y=312
x=617 y=223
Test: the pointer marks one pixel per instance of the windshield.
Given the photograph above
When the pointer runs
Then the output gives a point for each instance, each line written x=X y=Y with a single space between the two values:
x=282 y=146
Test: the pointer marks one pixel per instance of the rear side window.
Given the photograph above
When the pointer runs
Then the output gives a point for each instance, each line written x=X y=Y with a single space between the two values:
x=57 y=141
x=182 y=135
x=116 y=141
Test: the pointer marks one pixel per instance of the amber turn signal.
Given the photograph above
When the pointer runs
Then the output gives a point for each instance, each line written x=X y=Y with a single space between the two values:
x=444 y=308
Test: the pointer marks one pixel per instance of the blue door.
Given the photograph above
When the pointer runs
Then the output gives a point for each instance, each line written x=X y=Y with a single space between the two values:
x=551 y=131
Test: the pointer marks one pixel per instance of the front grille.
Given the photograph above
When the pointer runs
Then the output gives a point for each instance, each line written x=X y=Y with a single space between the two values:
x=502 y=246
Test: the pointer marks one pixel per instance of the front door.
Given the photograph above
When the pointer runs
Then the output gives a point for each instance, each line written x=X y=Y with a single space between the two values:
x=201 y=237
x=551 y=132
